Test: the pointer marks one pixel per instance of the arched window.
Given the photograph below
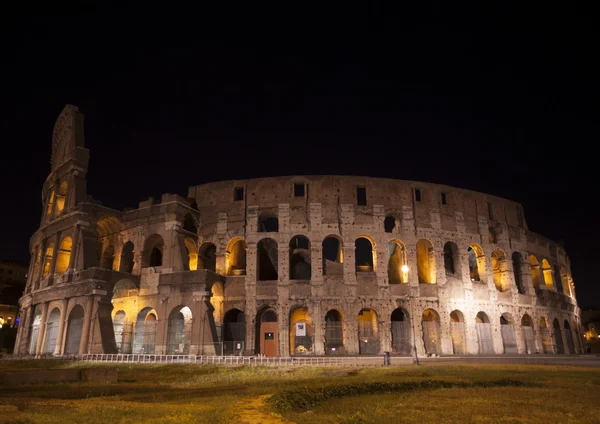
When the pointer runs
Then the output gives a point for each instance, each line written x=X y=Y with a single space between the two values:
x=528 y=334
x=363 y=254
x=126 y=264
x=145 y=331
x=208 y=257
x=535 y=271
x=397 y=268
x=192 y=252
x=37 y=264
x=50 y=205
x=499 y=269
x=425 y=262
x=268 y=224
x=267 y=264
x=517 y=262
x=61 y=196
x=179 y=333
x=401 y=334
x=300 y=261
x=334 y=337
x=507 y=330
x=547 y=271
x=390 y=224
x=301 y=332
x=64 y=255
x=431 y=331
x=368 y=338
x=333 y=256
x=108 y=257
x=153 y=252
x=564 y=276
x=556 y=279
x=236 y=257
x=484 y=333
x=74 y=330
x=457 y=332
x=451 y=259
x=476 y=262
x=48 y=259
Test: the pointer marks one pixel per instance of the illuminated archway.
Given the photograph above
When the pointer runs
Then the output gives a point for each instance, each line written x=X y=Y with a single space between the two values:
x=484 y=333
x=334 y=335
x=145 y=331
x=267 y=334
x=368 y=337
x=507 y=330
x=179 y=334
x=431 y=331
x=401 y=334
x=301 y=332
x=425 y=262
x=396 y=260
x=476 y=262
x=74 y=330
x=52 y=325
x=528 y=334
x=457 y=332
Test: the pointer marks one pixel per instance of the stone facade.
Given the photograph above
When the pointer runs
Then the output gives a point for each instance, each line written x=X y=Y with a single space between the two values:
x=306 y=265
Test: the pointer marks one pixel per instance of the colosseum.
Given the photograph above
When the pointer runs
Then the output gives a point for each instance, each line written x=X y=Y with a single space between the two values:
x=286 y=266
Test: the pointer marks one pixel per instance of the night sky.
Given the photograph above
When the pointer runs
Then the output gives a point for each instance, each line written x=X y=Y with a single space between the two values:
x=503 y=101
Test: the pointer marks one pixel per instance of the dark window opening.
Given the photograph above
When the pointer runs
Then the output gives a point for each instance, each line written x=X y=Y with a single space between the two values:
x=298 y=189
x=449 y=259
x=444 y=200
x=490 y=211
x=189 y=224
x=238 y=193
x=268 y=224
x=361 y=196
x=417 y=194
x=389 y=223
x=520 y=216
x=155 y=257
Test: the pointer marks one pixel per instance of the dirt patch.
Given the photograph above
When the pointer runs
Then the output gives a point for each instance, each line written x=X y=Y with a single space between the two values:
x=254 y=411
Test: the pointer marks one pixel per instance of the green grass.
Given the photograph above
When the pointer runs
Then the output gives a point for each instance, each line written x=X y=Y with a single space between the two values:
x=215 y=394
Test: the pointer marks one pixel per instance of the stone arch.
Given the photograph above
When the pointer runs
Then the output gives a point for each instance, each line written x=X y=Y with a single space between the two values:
x=536 y=276
x=368 y=334
x=124 y=288
x=458 y=333
x=234 y=332
x=74 y=330
x=153 y=251
x=217 y=301
x=364 y=254
x=144 y=336
x=547 y=271
x=268 y=223
x=557 y=332
x=122 y=330
x=507 y=330
x=301 y=332
x=48 y=259
x=35 y=330
x=179 y=333
x=333 y=256
x=485 y=339
x=192 y=253
x=334 y=333
x=476 y=262
x=126 y=264
x=431 y=332
x=528 y=334
x=396 y=262
x=564 y=277
x=569 y=337
x=108 y=257
x=52 y=324
x=61 y=196
x=499 y=270
x=50 y=205
x=401 y=334
x=236 y=256
x=207 y=257
x=64 y=255
x=267 y=260
x=189 y=224
x=267 y=339
x=299 y=258
x=426 y=262
x=451 y=259
x=517 y=263
x=545 y=336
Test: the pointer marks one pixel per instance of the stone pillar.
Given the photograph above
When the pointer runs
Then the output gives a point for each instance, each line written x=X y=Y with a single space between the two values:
x=61 y=328
x=42 y=329
x=283 y=327
x=21 y=314
x=318 y=321
x=411 y=262
x=75 y=247
x=162 y=327
x=384 y=329
x=85 y=332
x=316 y=263
x=349 y=262
x=283 y=263
x=54 y=259
x=250 y=309
x=26 y=331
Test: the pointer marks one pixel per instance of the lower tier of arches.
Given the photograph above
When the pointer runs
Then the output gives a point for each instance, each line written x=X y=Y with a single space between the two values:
x=151 y=325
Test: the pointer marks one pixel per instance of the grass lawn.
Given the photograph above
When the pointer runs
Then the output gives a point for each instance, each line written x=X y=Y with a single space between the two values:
x=217 y=394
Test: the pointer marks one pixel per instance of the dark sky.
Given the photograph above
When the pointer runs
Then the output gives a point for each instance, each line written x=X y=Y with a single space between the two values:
x=501 y=100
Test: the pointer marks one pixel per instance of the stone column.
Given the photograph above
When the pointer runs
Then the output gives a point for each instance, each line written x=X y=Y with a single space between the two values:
x=42 y=329
x=61 y=327
x=318 y=320
x=85 y=332
x=162 y=327
x=250 y=310
x=26 y=331
x=75 y=247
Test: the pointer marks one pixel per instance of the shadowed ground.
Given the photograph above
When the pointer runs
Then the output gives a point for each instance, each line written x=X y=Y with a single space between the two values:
x=471 y=393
